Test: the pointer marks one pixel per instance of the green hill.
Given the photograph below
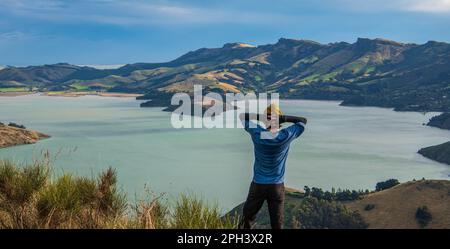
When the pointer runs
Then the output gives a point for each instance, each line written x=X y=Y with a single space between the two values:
x=440 y=153
x=442 y=121
x=308 y=212
x=398 y=206
x=375 y=72
x=392 y=208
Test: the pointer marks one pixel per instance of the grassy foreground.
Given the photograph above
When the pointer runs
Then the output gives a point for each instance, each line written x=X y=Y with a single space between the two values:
x=32 y=196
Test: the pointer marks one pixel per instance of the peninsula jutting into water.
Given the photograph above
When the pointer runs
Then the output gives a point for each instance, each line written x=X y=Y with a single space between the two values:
x=13 y=134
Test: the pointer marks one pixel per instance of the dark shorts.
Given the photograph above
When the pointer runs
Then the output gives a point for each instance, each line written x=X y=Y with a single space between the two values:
x=257 y=194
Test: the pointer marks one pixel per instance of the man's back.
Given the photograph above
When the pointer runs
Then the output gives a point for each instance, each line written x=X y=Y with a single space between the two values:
x=271 y=151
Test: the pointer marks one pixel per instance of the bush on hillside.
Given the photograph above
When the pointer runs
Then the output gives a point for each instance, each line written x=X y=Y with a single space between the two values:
x=339 y=195
x=314 y=213
x=386 y=184
x=16 y=125
x=193 y=212
x=423 y=216
x=369 y=207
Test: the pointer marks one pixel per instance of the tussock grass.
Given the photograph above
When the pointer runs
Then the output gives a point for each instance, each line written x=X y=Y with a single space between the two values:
x=31 y=196
x=193 y=212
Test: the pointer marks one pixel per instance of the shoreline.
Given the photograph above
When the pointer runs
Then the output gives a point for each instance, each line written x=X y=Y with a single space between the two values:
x=101 y=94
x=14 y=94
x=72 y=94
x=135 y=95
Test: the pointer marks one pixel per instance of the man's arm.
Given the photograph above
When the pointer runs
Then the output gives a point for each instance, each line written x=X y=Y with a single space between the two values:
x=292 y=119
x=282 y=118
x=247 y=121
x=294 y=131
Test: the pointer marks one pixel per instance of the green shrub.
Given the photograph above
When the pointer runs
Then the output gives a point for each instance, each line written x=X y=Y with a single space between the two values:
x=192 y=212
x=17 y=185
x=109 y=198
x=16 y=125
x=83 y=199
x=386 y=184
x=150 y=213
x=321 y=214
x=339 y=195
x=31 y=197
x=67 y=194
x=369 y=207
x=423 y=216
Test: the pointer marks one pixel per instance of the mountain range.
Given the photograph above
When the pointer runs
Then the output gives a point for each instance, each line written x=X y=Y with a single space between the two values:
x=370 y=72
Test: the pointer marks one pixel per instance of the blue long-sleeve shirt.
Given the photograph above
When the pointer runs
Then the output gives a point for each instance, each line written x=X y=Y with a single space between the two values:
x=271 y=151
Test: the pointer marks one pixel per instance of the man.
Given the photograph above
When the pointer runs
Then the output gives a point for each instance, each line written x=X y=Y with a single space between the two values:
x=271 y=147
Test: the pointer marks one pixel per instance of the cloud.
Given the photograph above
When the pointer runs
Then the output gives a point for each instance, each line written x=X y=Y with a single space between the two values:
x=421 y=6
x=21 y=35
x=434 y=6
x=14 y=36
x=130 y=12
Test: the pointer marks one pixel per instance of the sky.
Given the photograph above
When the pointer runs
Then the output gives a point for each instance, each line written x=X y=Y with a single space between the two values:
x=107 y=32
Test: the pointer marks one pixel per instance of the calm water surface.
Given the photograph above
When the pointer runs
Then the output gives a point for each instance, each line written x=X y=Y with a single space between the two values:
x=346 y=147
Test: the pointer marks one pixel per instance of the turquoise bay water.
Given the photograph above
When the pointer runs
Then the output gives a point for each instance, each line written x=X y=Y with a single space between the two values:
x=346 y=147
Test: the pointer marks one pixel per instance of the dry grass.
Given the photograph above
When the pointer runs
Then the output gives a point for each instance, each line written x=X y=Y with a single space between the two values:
x=32 y=197
x=228 y=87
x=396 y=207
x=223 y=79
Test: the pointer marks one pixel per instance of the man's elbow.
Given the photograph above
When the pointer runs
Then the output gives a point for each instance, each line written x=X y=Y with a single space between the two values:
x=303 y=120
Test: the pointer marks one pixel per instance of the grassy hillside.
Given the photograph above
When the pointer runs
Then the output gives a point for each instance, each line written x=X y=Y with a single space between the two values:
x=397 y=207
x=393 y=208
x=308 y=211
x=293 y=200
x=11 y=136
x=441 y=152
x=375 y=72
x=441 y=121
